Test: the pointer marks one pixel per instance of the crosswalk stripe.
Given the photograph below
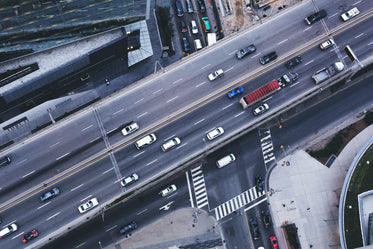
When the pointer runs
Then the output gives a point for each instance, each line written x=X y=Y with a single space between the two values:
x=199 y=191
x=203 y=204
x=199 y=186
x=195 y=169
x=255 y=194
x=236 y=203
x=239 y=200
x=224 y=211
x=264 y=138
x=198 y=182
x=228 y=207
x=247 y=196
x=201 y=200
x=201 y=195
x=196 y=173
x=251 y=194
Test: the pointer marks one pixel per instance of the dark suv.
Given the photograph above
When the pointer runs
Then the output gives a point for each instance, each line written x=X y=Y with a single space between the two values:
x=254 y=228
x=315 y=17
x=266 y=218
x=245 y=51
x=202 y=6
x=268 y=58
x=186 y=45
x=293 y=62
x=128 y=228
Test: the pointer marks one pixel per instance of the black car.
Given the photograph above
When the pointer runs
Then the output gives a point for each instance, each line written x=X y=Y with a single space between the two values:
x=179 y=8
x=50 y=194
x=128 y=228
x=29 y=236
x=266 y=218
x=259 y=183
x=186 y=45
x=5 y=161
x=293 y=62
x=315 y=17
x=254 y=228
x=202 y=6
x=268 y=58
x=245 y=51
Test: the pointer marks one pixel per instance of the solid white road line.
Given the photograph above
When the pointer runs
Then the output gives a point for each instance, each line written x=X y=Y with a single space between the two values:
x=43 y=205
x=28 y=174
x=356 y=3
x=111 y=228
x=155 y=92
x=200 y=84
x=190 y=190
x=51 y=217
x=18 y=235
x=81 y=244
x=229 y=69
x=115 y=113
x=333 y=15
x=58 y=158
x=239 y=114
x=308 y=62
x=143 y=114
x=225 y=107
x=138 y=154
x=107 y=171
x=205 y=66
x=143 y=211
x=307 y=29
x=359 y=35
x=176 y=81
x=199 y=121
x=139 y=101
x=169 y=137
x=168 y=101
x=86 y=198
x=151 y=162
x=77 y=187
x=55 y=144
x=279 y=43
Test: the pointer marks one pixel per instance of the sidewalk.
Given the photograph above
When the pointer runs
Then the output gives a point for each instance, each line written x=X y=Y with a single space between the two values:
x=307 y=193
x=175 y=230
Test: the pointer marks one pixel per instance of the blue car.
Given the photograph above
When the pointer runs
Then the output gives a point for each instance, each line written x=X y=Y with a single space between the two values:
x=235 y=92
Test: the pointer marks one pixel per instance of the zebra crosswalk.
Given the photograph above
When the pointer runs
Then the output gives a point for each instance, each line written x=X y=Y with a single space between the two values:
x=237 y=202
x=199 y=187
x=267 y=146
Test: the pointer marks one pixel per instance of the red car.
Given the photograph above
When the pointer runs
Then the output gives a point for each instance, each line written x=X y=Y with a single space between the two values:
x=29 y=236
x=273 y=242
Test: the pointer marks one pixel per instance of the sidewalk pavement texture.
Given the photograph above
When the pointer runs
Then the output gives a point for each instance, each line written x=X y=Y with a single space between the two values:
x=175 y=230
x=307 y=193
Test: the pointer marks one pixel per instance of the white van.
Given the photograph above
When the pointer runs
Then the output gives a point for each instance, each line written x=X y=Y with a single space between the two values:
x=197 y=44
x=225 y=160
x=149 y=139
x=8 y=230
x=171 y=144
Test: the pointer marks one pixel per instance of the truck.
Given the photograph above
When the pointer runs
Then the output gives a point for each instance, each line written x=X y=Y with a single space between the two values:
x=260 y=93
x=288 y=78
x=211 y=39
x=327 y=72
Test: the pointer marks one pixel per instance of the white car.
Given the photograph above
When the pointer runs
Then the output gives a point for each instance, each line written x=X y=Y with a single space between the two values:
x=350 y=14
x=168 y=190
x=327 y=44
x=129 y=179
x=215 y=133
x=260 y=109
x=193 y=24
x=130 y=128
x=171 y=144
x=215 y=75
x=88 y=205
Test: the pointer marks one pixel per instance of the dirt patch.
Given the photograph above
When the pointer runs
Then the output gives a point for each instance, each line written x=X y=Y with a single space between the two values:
x=335 y=144
x=239 y=19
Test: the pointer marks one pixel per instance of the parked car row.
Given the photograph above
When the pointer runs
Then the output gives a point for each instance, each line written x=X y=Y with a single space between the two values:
x=254 y=228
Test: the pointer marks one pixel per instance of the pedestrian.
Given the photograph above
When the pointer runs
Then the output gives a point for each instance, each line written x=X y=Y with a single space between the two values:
x=308 y=209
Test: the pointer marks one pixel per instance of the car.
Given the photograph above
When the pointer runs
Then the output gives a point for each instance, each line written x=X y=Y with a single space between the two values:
x=245 y=51
x=216 y=75
x=193 y=24
x=5 y=161
x=189 y=6
x=186 y=45
x=179 y=8
x=183 y=27
x=202 y=6
x=50 y=194
x=260 y=109
x=327 y=44
x=274 y=243
x=6 y=231
x=215 y=133
x=350 y=14
x=206 y=24
x=235 y=92
x=128 y=228
x=266 y=218
x=29 y=236
x=129 y=179
x=88 y=205
x=254 y=228
x=128 y=129
x=259 y=183
x=293 y=62
x=171 y=144
x=315 y=17
x=268 y=58
x=168 y=190
x=145 y=141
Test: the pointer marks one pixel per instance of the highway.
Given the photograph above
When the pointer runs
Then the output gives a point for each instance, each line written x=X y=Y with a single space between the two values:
x=224 y=184
x=56 y=150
